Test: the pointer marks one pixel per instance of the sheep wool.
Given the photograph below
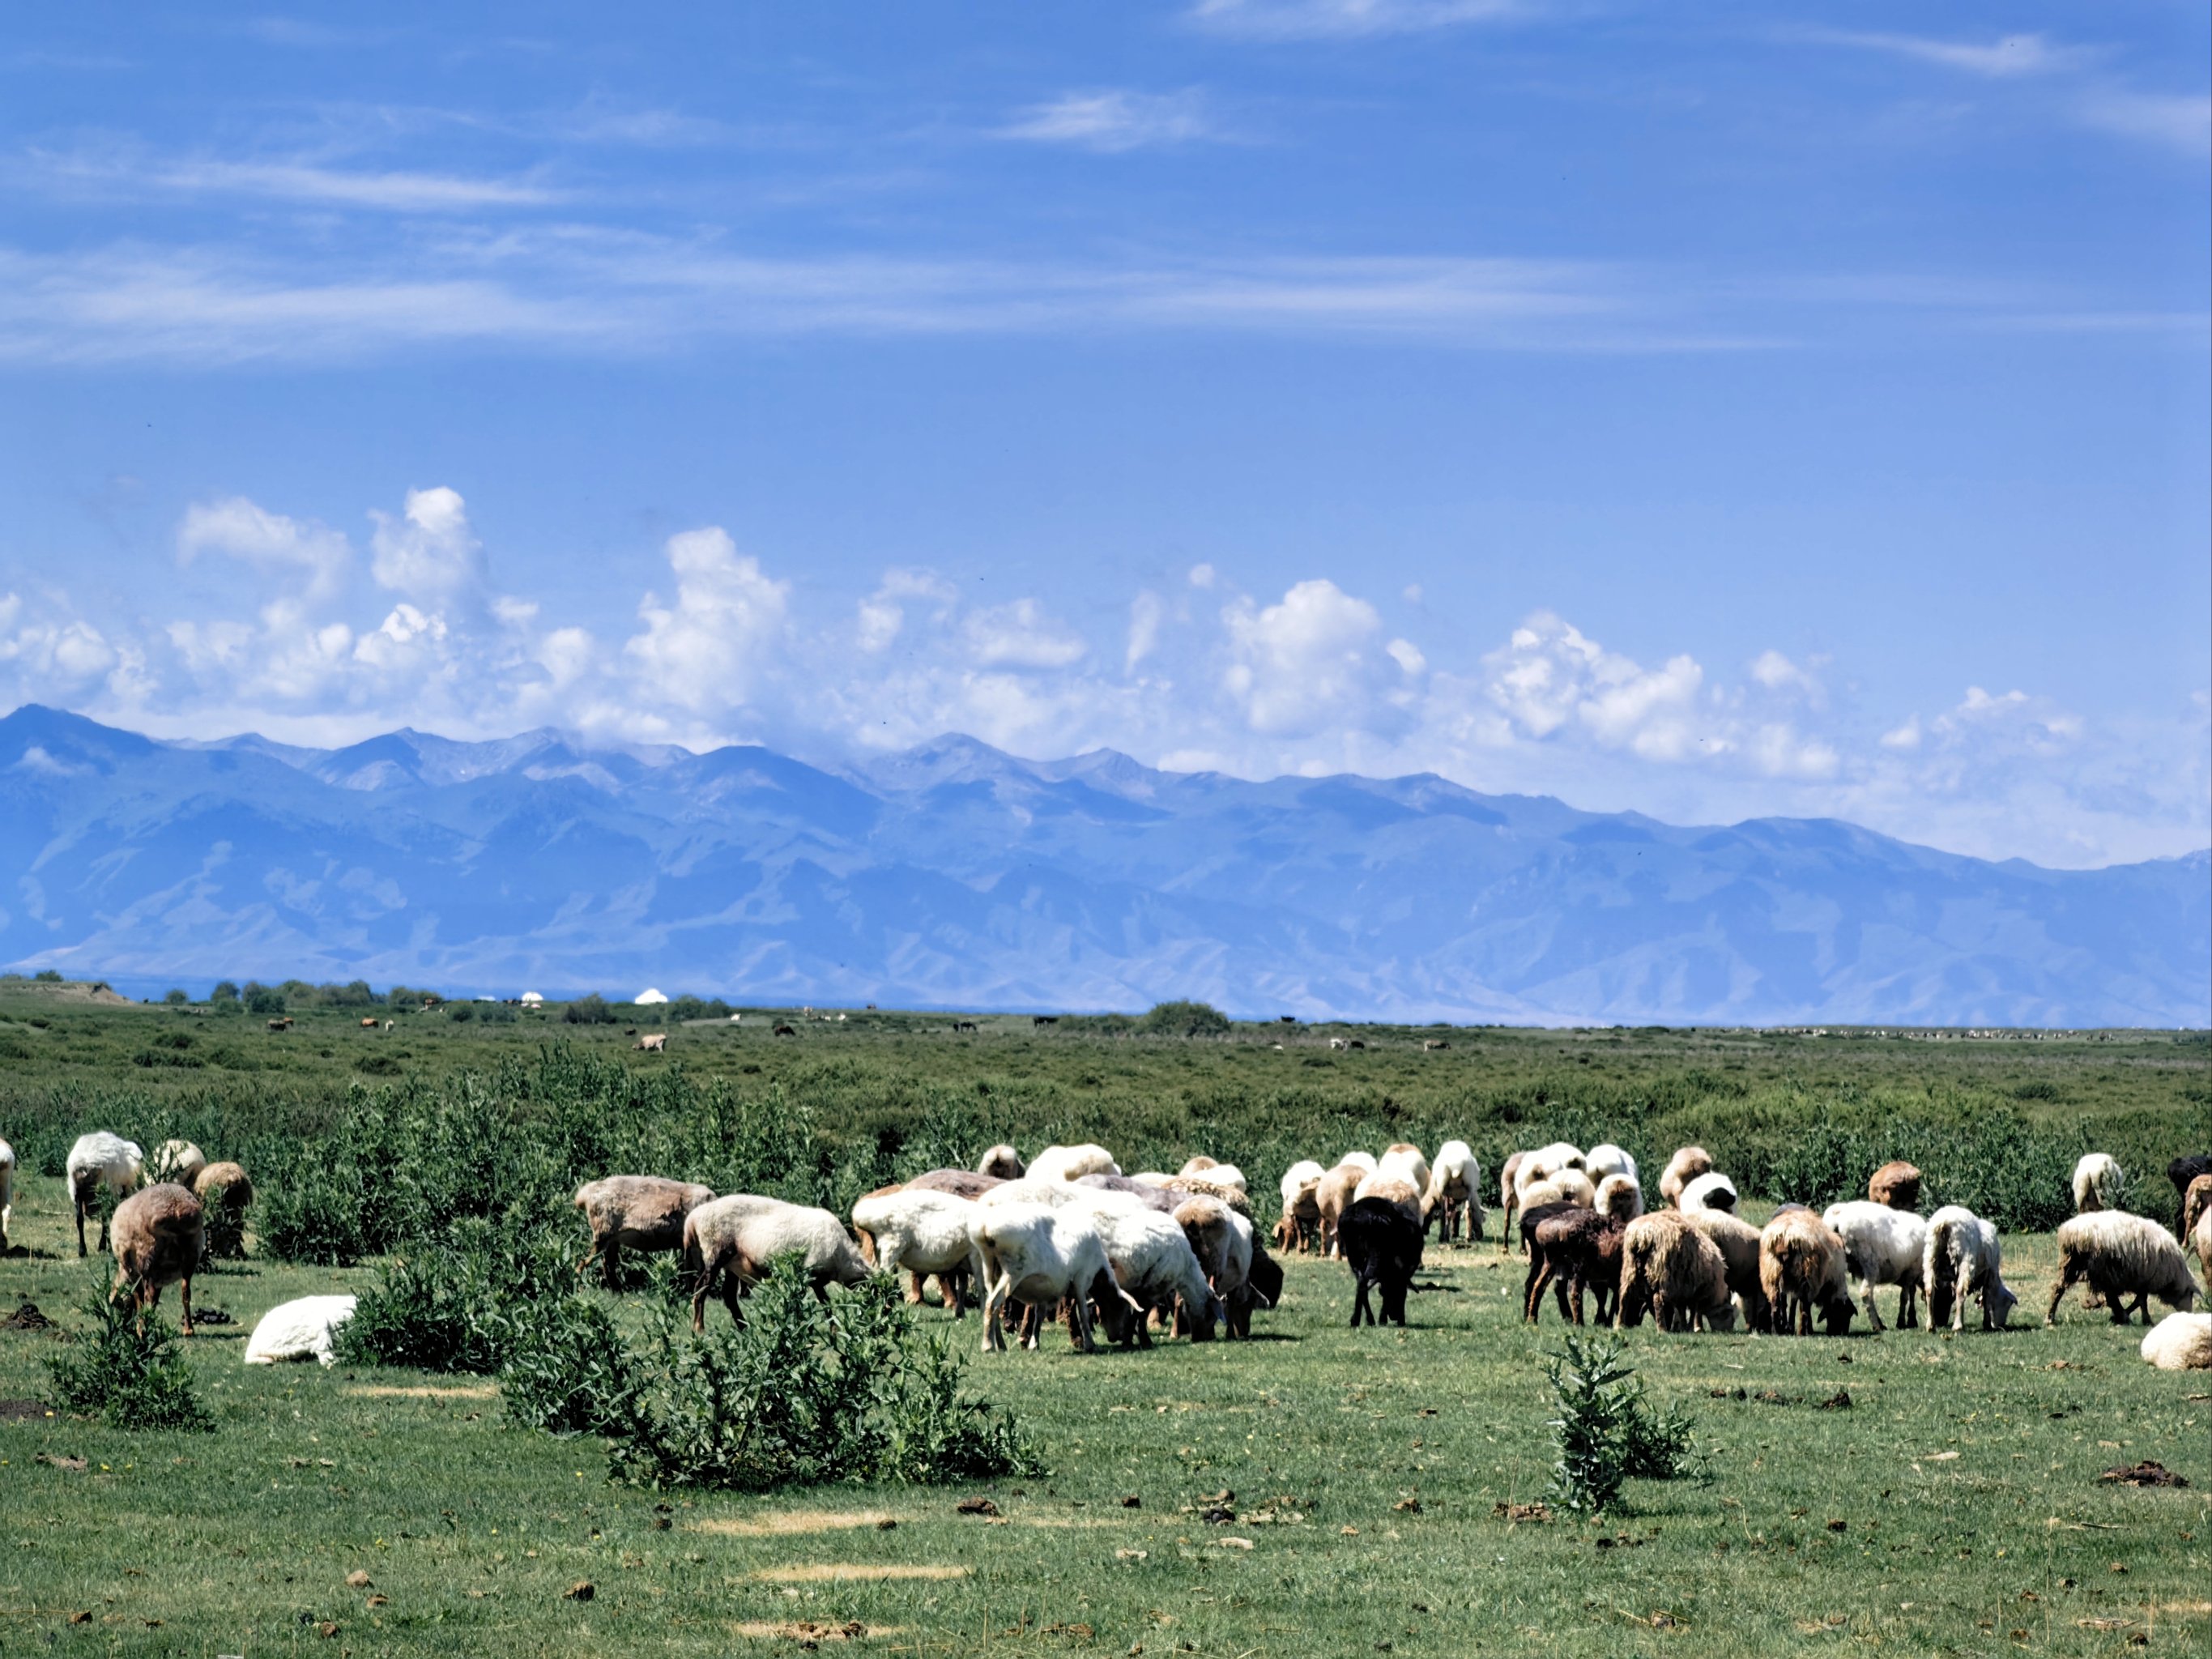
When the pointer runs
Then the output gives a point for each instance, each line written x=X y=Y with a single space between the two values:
x=2180 y=1342
x=305 y=1328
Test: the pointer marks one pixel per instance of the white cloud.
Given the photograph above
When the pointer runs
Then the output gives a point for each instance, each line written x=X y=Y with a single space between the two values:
x=1777 y=672
x=2180 y=122
x=1201 y=575
x=1146 y=612
x=1115 y=120
x=1021 y=635
x=270 y=541
x=1303 y=663
x=1325 y=19
x=292 y=181
x=1408 y=656
x=709 y=650
x=2012 y=56
x=428 y=552
x=1905 y=736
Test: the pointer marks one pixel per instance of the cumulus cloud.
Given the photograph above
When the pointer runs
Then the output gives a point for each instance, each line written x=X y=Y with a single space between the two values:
x=271 y=542
x=428 y=552
x=1549 y=676
x=706 y=651
x=1306 y=661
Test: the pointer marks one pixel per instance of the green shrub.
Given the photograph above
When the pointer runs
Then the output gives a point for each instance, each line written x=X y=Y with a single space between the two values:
x=1186 y=1019
x=48 y=976
x=176 y=998
x=133 y=1377
x=1607 y=1434
x=591 y=1010
x=263 y=999
x=464 y=1302
x=806 y=1392
x=224 y=995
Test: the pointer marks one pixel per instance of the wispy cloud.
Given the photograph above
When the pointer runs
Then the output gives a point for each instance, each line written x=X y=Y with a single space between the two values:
x=390 y=191
x=2180 y=122
x=1115 y=120
x=1322 y=20
x=2010 y=57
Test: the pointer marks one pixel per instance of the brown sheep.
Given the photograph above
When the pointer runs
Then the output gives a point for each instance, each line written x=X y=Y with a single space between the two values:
x=2194 y=1203
x=1738 y=1242
x=1574 y=1249
x=225 y=1184
x=637 y=1213
x=1333 y=1197
x=1686 y=1166
x=1802 y=1270
x=961 y=1183
x=159 y=1232
x=1670 y=1267
x=1897 y=1184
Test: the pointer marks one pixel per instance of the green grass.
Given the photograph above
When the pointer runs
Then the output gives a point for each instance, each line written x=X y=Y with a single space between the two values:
x=1964 y=1472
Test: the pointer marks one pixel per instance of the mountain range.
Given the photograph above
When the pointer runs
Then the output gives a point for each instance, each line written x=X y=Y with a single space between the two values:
x=953 y=875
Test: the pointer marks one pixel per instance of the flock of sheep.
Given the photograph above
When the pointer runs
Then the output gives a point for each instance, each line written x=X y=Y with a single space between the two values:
x=1068 y=1235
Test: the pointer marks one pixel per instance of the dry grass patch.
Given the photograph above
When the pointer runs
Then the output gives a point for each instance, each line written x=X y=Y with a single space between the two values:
x=809 y=1630
x=826 y=1572
x=426 y=1391
x=794 y=1521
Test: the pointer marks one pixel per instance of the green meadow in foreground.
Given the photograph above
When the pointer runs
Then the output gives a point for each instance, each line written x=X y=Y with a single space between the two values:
x=1315 y=1490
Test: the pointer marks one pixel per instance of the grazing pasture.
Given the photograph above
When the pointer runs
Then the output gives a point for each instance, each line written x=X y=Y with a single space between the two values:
x=1316 y=1490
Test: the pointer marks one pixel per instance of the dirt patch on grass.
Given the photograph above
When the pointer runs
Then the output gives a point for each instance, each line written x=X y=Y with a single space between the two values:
x=426 y=1391
x=830 y=1572
x=27 y=1317
x=21 y=1411
x=809 y=1631
x=792 y=1522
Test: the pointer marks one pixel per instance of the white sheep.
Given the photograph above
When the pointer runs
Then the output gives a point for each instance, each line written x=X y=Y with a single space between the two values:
x=2098 y=1182
x=919 y=1231
x=1004 y=1162
x=1575 y=1186
x=1154 y=1265
x=1548 y=1161
x=1962 y=1263
x=1456 y=1189
x=2180 y=1342
x=1686 y=1166
x=733 y=1239
x=1392 y=1186
x=1053 y=1195
x=2122 y=1256
x=1032 y=1254
x=1222 y=1175
x=1363 y=1161
x=300 y=1329
x=1882 y=1246
x=97 y=1160
x=176 y=1160
x=1067 y=1163
x=1405 y=1159
x=1710 y=1191
x=6 y=1191
x=1620 y=1197
x=1300 y=1221
x=1607 y=1159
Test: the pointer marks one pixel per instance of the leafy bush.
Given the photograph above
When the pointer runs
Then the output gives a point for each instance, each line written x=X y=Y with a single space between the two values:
x=263 y=999
x=591 y=1010
x=176 y=998
x=806 y=1392
x=1187 y=1019
x=1607 y=1434
x=224 y=995
x=48 y=976
x=134 y=1378
x=313 y=1217
x=464 y=1302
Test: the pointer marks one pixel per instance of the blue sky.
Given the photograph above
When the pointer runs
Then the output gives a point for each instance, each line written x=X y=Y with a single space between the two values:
x=1715 y=410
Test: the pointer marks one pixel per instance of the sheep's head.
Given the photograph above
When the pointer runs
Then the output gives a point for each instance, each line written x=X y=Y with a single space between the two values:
x=2000 y=1303
x=1203 y=1317
x=1837 y=1314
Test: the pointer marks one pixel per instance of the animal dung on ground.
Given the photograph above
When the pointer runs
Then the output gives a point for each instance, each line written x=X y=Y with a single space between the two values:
x=2144 y=1474
x=357 y=1580
x=582 y=1591
x=975 y=1506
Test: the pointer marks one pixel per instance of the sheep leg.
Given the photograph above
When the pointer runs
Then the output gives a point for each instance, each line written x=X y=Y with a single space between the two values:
x=611 y=1263
x=2069 y=1271
x=1359 y=1302
x=1570 y=1307
x=954 y=1283
x=1908 y=1299
x=995 y=1292
x=914 y=1293
x=184 y=1295
x=1873 y=1314
x=733 y=1294
x=1532 y=1288
x=80 y=1224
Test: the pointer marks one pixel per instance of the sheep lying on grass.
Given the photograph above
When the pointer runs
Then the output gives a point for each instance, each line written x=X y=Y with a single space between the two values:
x=1383 y=1249
x=2121 y=1256
x=1882 y=1246
x=159 y=1234
x=1802 y=1272
x=1961 y=1263
x=635 y=1213
x=1670 y=1268
x=2180 y=1342
x=301 y=1329
x=1686 y=1166
x=733 y=1239
x=102 y=1160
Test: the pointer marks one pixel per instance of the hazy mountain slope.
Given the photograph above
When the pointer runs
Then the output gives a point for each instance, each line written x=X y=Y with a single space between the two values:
x=956 y=875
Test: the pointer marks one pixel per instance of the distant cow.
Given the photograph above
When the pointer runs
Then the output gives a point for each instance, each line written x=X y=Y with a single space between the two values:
x=1355 y=1043
x=1430 y=1045
x=654 y=1042
x=1336 y=1043
x=1044 y=1020
x=283 y=1024
x=963 y=1025
x=782 y=1030
x=368 y=1025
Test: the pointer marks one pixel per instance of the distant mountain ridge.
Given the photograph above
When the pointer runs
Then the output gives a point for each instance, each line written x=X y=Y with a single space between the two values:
x=953 y=875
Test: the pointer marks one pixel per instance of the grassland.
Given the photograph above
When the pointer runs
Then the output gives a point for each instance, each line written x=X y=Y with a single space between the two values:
x=1367 y=1468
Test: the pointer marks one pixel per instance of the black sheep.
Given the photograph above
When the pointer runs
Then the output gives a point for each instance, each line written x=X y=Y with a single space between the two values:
x=1383 y=1246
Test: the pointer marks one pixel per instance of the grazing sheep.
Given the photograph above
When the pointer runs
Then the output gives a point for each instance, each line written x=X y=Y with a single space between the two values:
x=1221 y=1174
x=1669 y=1267
x=1365 y=1162
x=1620 y=1197
x=1332 y=1196
x=1300 y=1227
x=1197 y=1164
x=1606 y=1159
x=961 y=1183
x=1686 y=1166
x=1263 y=1287
x=733 y=1239
x=1896 y=1184
x=1036 y=1254
x=636 y=1213
x=1738 y=1242
x=159 y=1231
x=2196 y=1202
x=1509 y=1197
x=176 y=1160
x=1052 y=1194
x=1801 y=1272
x=653 y=1042
x=1383 y=1249
x=1392 y=1188
x=1710 y=1191
x=300 y=1329
x=2097 y=1183
x=1067 y=1163
x=1882 y=1246
x=2122 y=1256
x=225 y=1184
x=1575 y=1186
x=1568 y=1251
x=97 y=1160
x=1203 y=1186
x=1004 y=1162
x=2180 y=1342
x=1455 y=1191
x=1548 y=1161
x=1163 y=1199
x=1405 y=1158
x=1963 y=1263
x=2184 y=1172
x=1155 y=1266
x=7 y=1192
